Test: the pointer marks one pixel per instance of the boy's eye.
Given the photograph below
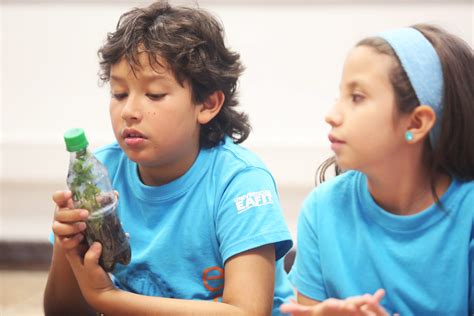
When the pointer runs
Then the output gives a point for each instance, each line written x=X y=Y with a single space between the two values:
x=155 y=97
x=119 y=96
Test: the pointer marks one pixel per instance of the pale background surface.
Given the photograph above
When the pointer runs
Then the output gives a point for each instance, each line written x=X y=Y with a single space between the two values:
x=293 y=51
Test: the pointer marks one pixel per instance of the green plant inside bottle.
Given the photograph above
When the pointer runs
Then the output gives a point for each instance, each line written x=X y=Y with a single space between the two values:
x=91 y=189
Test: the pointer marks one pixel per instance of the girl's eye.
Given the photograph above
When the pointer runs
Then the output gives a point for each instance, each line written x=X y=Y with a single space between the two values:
x=119 y=96
x=156 y=97
x=357 y=98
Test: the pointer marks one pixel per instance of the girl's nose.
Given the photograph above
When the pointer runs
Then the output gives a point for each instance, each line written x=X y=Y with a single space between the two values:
x=334 y=117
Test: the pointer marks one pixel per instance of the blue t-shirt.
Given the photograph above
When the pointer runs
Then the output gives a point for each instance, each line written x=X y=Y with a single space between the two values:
x=348 y=245
x=182 y=233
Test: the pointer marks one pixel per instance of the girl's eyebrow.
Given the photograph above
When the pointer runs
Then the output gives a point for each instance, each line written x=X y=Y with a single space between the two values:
x=354 y=84
x=350 y=85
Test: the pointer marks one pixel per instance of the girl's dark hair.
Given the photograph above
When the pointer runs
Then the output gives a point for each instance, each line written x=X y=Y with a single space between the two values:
x=191 y=43
x=454 y=150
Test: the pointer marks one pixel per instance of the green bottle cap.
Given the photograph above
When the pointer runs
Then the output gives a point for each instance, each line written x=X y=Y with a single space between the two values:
x=75 y=139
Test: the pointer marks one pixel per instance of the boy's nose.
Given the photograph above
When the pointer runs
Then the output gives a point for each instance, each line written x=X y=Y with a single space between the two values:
x=131 y=110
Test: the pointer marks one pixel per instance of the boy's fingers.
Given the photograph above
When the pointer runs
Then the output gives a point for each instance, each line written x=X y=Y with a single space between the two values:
x=69 y=243
x=61 y=198
x=91 y=259
x=70 y=215
x=66 y=230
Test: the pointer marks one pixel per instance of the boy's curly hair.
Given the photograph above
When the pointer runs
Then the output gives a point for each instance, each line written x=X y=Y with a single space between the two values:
x=191 y=42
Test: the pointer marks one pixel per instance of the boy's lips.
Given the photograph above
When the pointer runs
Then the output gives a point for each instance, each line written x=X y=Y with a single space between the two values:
x=132 y=133
x=133 y=137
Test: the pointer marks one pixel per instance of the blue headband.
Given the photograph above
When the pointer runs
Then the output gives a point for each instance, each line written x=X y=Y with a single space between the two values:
x=423 y=67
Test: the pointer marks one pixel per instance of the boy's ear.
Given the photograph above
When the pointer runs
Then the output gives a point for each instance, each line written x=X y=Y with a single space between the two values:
x=421 y=121
x=210 y=107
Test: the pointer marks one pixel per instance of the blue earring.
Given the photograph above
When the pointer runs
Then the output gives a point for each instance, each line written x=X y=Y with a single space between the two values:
x=409 y=136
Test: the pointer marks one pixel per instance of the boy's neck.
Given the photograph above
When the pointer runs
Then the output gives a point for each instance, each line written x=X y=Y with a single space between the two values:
x=405 y=189
x=163 y=174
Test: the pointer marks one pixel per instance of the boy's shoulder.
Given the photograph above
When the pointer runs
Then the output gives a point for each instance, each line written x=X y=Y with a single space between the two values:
x=110 y=155
x=109 y=151
x=230 y=155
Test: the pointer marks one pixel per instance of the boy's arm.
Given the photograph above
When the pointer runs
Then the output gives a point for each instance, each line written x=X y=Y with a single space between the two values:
x=249 y=286
x=62 y=295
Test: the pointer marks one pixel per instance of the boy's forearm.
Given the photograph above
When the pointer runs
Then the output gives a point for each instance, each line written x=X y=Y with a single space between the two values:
x=62 y=295
x=118 y=302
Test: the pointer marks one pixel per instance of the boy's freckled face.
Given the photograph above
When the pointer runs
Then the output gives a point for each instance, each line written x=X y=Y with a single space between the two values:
x=365 y=128
x=153 y=116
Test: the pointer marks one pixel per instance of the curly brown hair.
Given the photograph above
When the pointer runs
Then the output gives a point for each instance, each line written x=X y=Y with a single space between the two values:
x=191 y=43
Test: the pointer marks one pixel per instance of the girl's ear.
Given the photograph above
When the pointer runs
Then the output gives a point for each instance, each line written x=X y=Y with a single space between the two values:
x=210 y=107
x=421 y=121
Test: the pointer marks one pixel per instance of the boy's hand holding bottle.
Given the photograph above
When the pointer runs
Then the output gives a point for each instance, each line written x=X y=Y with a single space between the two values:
x=69 y=223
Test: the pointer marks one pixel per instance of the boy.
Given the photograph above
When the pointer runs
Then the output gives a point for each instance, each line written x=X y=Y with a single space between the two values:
x=203 y=214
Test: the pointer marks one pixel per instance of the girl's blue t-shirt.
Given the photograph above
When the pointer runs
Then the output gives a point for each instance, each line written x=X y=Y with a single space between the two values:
x=347 y=245
x=183 y=232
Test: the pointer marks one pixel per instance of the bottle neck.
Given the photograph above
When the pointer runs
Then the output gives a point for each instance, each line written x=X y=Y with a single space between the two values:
x=81 y=154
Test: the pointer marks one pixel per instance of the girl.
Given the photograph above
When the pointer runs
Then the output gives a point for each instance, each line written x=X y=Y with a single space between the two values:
x=400 y=220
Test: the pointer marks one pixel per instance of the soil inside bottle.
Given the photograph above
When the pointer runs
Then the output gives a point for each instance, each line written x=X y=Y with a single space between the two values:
x=103 y=226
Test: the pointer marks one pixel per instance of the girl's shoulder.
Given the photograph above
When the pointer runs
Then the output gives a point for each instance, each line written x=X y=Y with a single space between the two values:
x=460 y=192
x=337 y=190
x=343 y=183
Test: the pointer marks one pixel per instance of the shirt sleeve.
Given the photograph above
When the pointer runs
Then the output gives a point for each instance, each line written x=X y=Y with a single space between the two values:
x=249 y=215
x=306 y=273
x=471 y=272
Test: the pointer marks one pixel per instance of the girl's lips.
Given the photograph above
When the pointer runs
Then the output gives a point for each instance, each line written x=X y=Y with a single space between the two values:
x=336 y=143
x=334 y=139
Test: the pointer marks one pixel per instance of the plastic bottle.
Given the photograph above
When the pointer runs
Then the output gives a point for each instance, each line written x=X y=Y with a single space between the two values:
x=91 y=189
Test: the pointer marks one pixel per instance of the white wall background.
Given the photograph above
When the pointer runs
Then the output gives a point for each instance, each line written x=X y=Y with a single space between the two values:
x=293 y=52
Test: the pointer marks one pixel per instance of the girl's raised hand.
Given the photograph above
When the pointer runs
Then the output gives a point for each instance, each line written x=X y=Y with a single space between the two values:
x=364 y=305
x=295 y=309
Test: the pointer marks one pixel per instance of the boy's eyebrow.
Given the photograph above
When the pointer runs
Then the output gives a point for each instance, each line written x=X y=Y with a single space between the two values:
x=116 y=78
x=145 y=77
x=153 y=77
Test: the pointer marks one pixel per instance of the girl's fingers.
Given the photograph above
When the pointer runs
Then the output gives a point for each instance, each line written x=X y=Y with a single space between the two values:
x=374 y=309
x=379 y=294
x=358 y=301
x=294 y=308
